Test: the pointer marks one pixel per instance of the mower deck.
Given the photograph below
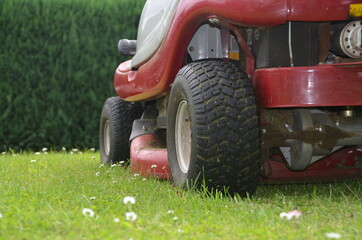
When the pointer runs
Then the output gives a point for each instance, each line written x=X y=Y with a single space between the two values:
x=149 y=159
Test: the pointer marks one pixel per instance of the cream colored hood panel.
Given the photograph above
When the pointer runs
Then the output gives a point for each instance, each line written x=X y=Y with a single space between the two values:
x=154 y=23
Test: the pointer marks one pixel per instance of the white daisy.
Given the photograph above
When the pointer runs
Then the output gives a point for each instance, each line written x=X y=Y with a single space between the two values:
x=129 y=199
x=290 y=215
x=333 y=235
x=131 y=216
x=88 y=212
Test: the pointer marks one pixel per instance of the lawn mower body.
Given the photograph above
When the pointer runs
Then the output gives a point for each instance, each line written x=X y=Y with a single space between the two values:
x=303 y=60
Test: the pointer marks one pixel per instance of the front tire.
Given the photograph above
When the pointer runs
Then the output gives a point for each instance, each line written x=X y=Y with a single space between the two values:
x=213 y=130
x=115 y=129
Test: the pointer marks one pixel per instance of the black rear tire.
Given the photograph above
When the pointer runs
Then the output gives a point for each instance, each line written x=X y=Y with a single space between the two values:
x=213 y=129
x=115 y=129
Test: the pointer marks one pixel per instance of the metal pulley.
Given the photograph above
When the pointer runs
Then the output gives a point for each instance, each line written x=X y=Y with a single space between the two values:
x=348 y=41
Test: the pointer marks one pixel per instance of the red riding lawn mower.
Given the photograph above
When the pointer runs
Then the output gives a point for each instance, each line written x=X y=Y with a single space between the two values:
x=229 y=93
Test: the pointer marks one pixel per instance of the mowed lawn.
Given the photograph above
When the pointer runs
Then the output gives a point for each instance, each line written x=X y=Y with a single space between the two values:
x=70 y=195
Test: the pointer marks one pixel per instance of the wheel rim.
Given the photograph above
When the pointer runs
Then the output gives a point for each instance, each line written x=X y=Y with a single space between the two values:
x=183 y=136
x=106 y=138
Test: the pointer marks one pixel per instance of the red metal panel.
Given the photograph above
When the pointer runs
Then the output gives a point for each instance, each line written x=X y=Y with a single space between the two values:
x=343 y=164
x=154 y=77
x=322 y=85
x=319 y=10
x=147 y=158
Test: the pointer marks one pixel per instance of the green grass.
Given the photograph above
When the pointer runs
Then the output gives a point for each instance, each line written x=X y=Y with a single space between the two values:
x=45 y=199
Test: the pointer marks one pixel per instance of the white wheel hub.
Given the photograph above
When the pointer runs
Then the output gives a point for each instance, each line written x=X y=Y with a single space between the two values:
x=107 y=138
x=183 y=136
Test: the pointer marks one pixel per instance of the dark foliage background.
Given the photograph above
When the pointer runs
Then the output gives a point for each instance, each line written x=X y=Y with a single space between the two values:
x=57 y=59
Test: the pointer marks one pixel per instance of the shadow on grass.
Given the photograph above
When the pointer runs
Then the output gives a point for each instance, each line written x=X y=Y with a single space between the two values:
x=332 y=190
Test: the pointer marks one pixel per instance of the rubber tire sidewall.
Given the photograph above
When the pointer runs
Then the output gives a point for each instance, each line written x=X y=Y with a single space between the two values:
x=225 y=128
x=121 y=115
x=106 y=116
x=180 y=91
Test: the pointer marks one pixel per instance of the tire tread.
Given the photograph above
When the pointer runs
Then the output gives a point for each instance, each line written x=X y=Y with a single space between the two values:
x=121 y=115
x=227 y=122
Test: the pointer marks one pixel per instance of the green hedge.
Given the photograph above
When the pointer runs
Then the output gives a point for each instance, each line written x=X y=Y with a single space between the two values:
x=57 y=60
